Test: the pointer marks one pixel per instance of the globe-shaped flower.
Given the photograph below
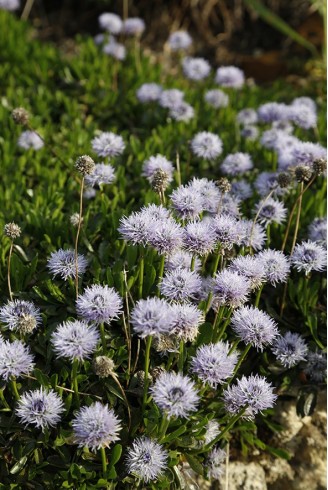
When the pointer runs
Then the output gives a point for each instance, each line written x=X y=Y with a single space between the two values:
x=30 y=139
x=75 y=340
x=230 y=289
x=136 y=228
x=316 y=366
x=150 y=317
x=180 y=285
x=195 y=68
x=171 y=98
x=10 y=5
x=62 y=263
x=96 y=426
x=166 y=236
x=133 y=26
x=155 y=163
x=266 y=182
x=254 y=327
x=250 y=132
x=207 y=192
x=41 y=408
x=236 y=163
x=110 y=22
x=230 y=76
x=175 y=394
x=247 y=116
x=289 y=349
x=20 y=315
x=273 y=111
x=108 y=145
x=309 y=256
x=215 y=463
x=117 y=51
x=212 y=430
x=318 y=231
x=187 y=202
x=270 y=211
x=181 y=259
x=199 y=237
x=146 y=459
x=213 y=364
x=216 y=98
x=275 y=265
x=253 y=235
x=241 y=189
x=206 y=145
x=253 y=394
x=99 y=304
x=249 y=267
x=182 y=112
x=15 y=359
x=102 y=174
x=185 y=320
x=227 y=231
x=179 y=40
x=305 y=152
x=303 y=116
x=149 y=92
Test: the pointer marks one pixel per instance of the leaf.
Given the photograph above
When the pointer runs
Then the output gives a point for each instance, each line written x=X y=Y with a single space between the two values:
x=195 y=464
x=41 y=377
x=19 y=465
x=306 y=402
x=174 y=435
x=115 y=455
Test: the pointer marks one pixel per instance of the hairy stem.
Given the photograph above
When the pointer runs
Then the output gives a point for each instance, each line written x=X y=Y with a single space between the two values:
x=77 y=240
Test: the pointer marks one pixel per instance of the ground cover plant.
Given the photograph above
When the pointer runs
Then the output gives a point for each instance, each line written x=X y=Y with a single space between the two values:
x=161 y=261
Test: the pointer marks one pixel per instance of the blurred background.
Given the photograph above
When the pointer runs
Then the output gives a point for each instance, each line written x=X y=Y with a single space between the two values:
x=267 y=38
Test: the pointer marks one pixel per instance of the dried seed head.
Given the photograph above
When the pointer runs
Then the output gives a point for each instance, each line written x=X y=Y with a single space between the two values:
x=303 y=173
x=320 y=166
x=165 y=343
x=20 y=116
x=12 y=230
x=157 y=371
x=223 y=184
x=85 y=165
x=140 y=375
x=160 y=180
x=75 y=218
x=26 y=323
x=103 y=366
x=284 y=180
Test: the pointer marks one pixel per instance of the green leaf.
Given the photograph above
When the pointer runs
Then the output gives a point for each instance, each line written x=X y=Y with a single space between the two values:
x=195 y=464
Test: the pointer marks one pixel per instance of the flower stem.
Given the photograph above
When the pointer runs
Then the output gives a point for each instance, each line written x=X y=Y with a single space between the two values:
x=141 y=275
x=298 y=216
x=224 y=327
x=8 y=274
x=178 y=169
x=181 y=356
x=230 y=424
x=103 y=461
x=3 y=400
x=192 y=266
x=14 y=387
x=147 y=358
x=103 y=338
x=77 y=240
x=75 y=385
x=258 y=296
x=161 y=271
x=165 y=422
x=257 y=215
x=242 y=357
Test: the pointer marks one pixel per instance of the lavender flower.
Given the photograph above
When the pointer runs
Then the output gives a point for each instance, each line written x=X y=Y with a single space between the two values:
x=10 y=5
x=241 y=189
x=254 y=327
x=318 y=231
x=181 y=259
x=226 y=230
x=230 y=289
x=95 y=426
x=20 y=315
x=273 y=111
x=250 y=132
x=275 y=265
x=230 y=76
x=213 y=364
x=150 y=317
x=75 y=340
x=102 y=174
x=212 y=430
x=166 y=236
x=134 y=26
x=236 y=163
x=277 y=139
x=41 y=408
x=149 y=92
x=100 y=39
x=182 y=112
x=303 y=116
x=155 y=163
x=180 y=285
x=110 y=22
x=309 y=256
x=179 y=40
x=266 y=182
x=30 y=139
x=206 y=145
x=199 y=237
x=216 y=98
x=305 y=101
x=249 y=267
x=99 y=304
x=252 y=393
x=253 y=235
x=171 y=98
x=108 y=145
x=175 y=394
x=247 y=116
x=304 y=153
x=208 y=192
x=136 y=228
x=15 y=359
x=146 y=459
x=316 y=366
x=271 y=211
x=62 y=263
x=196 y=68
x=185 y=321
x=154 y=212
x=214 y=463
x=117 y=51
x=187 y=203
x=289 y=349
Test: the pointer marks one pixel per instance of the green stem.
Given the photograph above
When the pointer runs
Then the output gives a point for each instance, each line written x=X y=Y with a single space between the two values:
x=233 y=347
x=242 y=357
x=103 y=461
x=77 y=240
x=181 y=356
x=14 y=387
x=147 y=358
x=141 y=275
x=103 y=338
x=161 y=271
x=193 y=260
x=3 y=400
x=268 y=236
x=223 y=329
x=258 y=296
x=165 y=422
x=232 y=422
x=8 y=273
x=170 y=361
x=75 y=386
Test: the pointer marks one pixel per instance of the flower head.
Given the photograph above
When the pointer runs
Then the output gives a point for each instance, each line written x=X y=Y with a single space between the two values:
x=102 y=174
x=99 y=304
x=254 y=327
x=150 y=317
x=175 y=394
x=273 y=111
x=250 y=132
x=268 y=181
x=95 y=426
x=180 y=285
x=249 y=267
x=154 y=163
x=241 y=189
x=171 y=98
x=149 y=92
x=247 y=116
x=117 y=51
x=230 y=289
x=166 y=236
x=253 y=394
x=146 y=459
x=206 y=145
x=41 y=408
x=30 y=139
x=85 y=165
x=253 y=235
x=199 y=237
x=62 y=263
x=214 y=463
x=20 y=315
x=309 y=256
x=206 y=191
x=236 y=163
x=213 y=364
x=103 y=366
x=15 y=359
x=196 y=68
x=316 y=366
x=181 y=259
x=226 y=230
x=185 y=320
x=270 y=211
x=75 y=340
x=289 y=349
x=19 y=114
x=318 y=231
x=212 y=430
x=216 y=98
x=179 y=40
x=108 y=145
x=11 y=230
x=275 y=265
x=303 y=116
x=182 y=112
x=230 y=76
x=110 y=22
x=187 y=202
x=133 y=26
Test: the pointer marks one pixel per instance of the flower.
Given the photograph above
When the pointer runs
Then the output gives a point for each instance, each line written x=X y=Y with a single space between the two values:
x=226 y=230
x=249 y=267
x=180 y=284
x=134 y=26
x=253 y=394
x=182 y=112
x=181 y=259
x=230 y=289
x=171 y=98
x=309 y=256
x=95 y=426
x=253 y=235
x=19 y=115
x=75 y=340
x=10 y=5
x=250 y=132
x=146 y=459
x=213 y=364
x=199 y=237
x=185 y=319
x=254 y=327
x=12 y=231
x=206 y=145
x=195 y=68
x=214 y=463
x=230 y=76
x=316 y=366
x=270 y=211
x=318 y=231
x=268 y=181
x=108 y=145
x=102 y=174
x=41 y=408
x=15 y=359
x=275 y=265
x=99 y=304
x=236 y=163
x=187 y=202
x=212 y=430
x=289 y=349
x=20 y=315
x=103 y=366
x=247 y=116
x=305 y=152
x=154 y=163
x=179 y=40
x=62 y=263
x=110 y=22
x=166 y=236
x=30 y=139
x=216 y=98
x=150 y=317
x=175 y=394
x=149 y=92
x=241 y=189
x=117 y=51
x=303 y=116
x=207 y=191
x=305 y=101
x=85 y=165
x=273 y=111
